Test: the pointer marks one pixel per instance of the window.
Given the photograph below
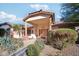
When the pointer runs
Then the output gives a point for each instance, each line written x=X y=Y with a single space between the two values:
x=2 y=32
x=28 y=32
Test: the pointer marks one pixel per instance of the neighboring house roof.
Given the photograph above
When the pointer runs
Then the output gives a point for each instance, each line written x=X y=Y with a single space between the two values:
x=1 y=24
x=5 y=26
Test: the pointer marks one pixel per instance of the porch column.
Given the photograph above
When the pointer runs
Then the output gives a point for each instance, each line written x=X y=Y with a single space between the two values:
x=35 y=29
x=26 y=37
x=50 y=24
x=38 y=31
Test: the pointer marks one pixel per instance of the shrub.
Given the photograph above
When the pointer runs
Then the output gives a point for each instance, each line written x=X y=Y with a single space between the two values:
x=39 y=44
x=10 y=44
x=59 y=38
x=35 y=49
x=32 y=51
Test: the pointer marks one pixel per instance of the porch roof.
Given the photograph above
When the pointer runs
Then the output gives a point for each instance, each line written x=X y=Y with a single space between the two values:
x=35 y=18
x=38 y=21
x=38 y=13
x=39 y=18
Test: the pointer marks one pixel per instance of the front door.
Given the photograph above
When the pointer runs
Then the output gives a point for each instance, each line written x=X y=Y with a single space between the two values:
x=43 y=33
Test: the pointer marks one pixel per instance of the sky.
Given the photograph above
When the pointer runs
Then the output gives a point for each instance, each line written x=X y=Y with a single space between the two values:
x=13 y=11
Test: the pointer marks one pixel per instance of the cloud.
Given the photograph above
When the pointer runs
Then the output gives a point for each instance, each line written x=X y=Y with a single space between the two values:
x=2 y=15
x=5 y=17
x=39 y=6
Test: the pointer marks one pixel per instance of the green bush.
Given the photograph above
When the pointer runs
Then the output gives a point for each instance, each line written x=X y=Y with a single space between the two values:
x=59 y=38
x=39 y=44
x=32 y=50
x=35 y=49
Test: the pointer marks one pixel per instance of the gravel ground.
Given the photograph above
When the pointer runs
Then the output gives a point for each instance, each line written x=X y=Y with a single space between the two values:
x=49 y=51
x=69 y=51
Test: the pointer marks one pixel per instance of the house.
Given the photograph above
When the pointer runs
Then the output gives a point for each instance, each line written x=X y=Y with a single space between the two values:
x=4 y=29
x=41 y=22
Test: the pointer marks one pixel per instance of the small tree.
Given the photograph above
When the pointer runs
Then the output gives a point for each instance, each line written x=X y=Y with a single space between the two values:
x=17 y=28
x=70 y=12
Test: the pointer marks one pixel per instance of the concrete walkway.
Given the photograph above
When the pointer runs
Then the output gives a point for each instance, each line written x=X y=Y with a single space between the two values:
x=28 y=42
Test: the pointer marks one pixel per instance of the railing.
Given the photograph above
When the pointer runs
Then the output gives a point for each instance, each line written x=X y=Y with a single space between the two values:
x=20 y=52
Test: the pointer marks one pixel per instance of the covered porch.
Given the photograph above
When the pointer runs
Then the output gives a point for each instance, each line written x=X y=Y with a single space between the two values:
x=41 y=21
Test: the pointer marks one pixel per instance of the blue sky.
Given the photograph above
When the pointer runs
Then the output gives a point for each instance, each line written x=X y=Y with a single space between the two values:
x=20 y=10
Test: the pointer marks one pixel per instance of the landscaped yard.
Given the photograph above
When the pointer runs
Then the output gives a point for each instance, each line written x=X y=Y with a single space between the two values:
x=10 y=46
x=38 y=47
x=60 y=42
